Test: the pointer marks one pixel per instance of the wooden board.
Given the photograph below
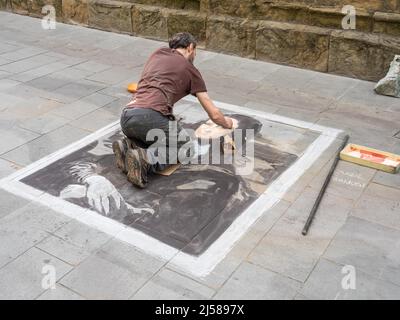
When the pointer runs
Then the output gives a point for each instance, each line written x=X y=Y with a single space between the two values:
x=170 y=170
x=372 y=158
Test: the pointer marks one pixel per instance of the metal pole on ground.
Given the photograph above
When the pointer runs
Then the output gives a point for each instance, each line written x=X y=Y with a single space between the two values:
x=324 y=186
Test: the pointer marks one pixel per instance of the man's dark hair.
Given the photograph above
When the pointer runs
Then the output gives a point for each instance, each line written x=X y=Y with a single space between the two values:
x=182 y=40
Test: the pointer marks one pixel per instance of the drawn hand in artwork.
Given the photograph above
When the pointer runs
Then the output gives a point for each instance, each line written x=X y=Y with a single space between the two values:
x=99 y=193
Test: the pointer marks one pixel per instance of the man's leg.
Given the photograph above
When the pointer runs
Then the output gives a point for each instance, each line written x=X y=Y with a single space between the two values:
x=146 y=156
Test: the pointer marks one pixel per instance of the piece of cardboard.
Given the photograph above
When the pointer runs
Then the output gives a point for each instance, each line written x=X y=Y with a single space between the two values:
x=169 y=170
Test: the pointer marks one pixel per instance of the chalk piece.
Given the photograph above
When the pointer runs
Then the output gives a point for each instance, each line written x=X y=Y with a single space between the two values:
x=132 y=87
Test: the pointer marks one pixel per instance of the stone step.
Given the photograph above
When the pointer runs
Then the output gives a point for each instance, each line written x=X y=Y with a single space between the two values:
x=363 y=54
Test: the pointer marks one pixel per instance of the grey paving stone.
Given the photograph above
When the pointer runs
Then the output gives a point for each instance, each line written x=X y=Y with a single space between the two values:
x=289 y=98
x=387 y=179
x=23 y=92
x=11 y=139
x=379 y=204
x=69 y=60
x=299 y=114
x=79 y=89
x=72 y=73
x=242 y=248
x=5 y=74
x=59 y=293
x=7 y=167
x=298 y=187
x=4 y=61
x=83 y=106
x=285 y=77
x=253 y=282
x=25 y=227
x=265 y=107
x=44 y=123
x=236 y=98
x=22 y=278
x=9 y=100
x=63 y=250
x=92 y=66
x=111 y=76
x=95 y=120
x=348 y=181
x=286 y=251
x=7 y=47
x=325 y=283
x=363 y=94
x=7 y=83
x=253 y=70
x=82 y=236
x=39 y=72
x=9 y=203
x=365 y=120
x=288 y=138
x=117 y=91
x=169 y=285
x=371 y=248
x=45 y=145
x=361 y=134
x=22 y=53
x=27 y=64
x=116 y=271
x=33 y=107
x=328 y=85
x=47 y=82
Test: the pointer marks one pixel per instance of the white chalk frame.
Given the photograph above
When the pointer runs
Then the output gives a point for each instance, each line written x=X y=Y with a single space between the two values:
x=198 y=266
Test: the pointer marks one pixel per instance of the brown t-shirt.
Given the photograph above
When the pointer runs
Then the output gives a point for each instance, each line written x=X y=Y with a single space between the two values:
x=167 y=77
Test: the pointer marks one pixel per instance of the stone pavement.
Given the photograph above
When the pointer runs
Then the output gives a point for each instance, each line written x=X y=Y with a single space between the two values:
x=57 y=86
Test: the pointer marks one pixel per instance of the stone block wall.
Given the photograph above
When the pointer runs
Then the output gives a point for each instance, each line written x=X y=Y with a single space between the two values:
x=302 y=33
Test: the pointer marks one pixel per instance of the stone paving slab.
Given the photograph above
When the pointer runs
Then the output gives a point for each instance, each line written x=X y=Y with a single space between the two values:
x=379 y=204
x=124 y=270
x=42 y=146
x=369 y=247
x=169 y=285
x=325 y=283
x=252 y=282
x=22 y=278
x=59 y=293
x=286 y=251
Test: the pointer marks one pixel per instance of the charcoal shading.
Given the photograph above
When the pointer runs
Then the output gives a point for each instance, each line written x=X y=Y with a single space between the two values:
x=188 y=210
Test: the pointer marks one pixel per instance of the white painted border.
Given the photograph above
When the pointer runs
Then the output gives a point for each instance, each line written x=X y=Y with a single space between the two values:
x=202 y=265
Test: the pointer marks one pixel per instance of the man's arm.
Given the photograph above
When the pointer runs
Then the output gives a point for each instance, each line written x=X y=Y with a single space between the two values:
x=213 y=112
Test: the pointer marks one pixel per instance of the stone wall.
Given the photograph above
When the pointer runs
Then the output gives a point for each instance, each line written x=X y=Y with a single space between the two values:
x=302 y=33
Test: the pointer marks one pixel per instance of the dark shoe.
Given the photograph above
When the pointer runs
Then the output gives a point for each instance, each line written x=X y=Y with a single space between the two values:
x=137 y=167
x=119 y=148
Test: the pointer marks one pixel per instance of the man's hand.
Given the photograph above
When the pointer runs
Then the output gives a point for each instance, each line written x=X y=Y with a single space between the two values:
x=229 y=122
x=213 y=112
